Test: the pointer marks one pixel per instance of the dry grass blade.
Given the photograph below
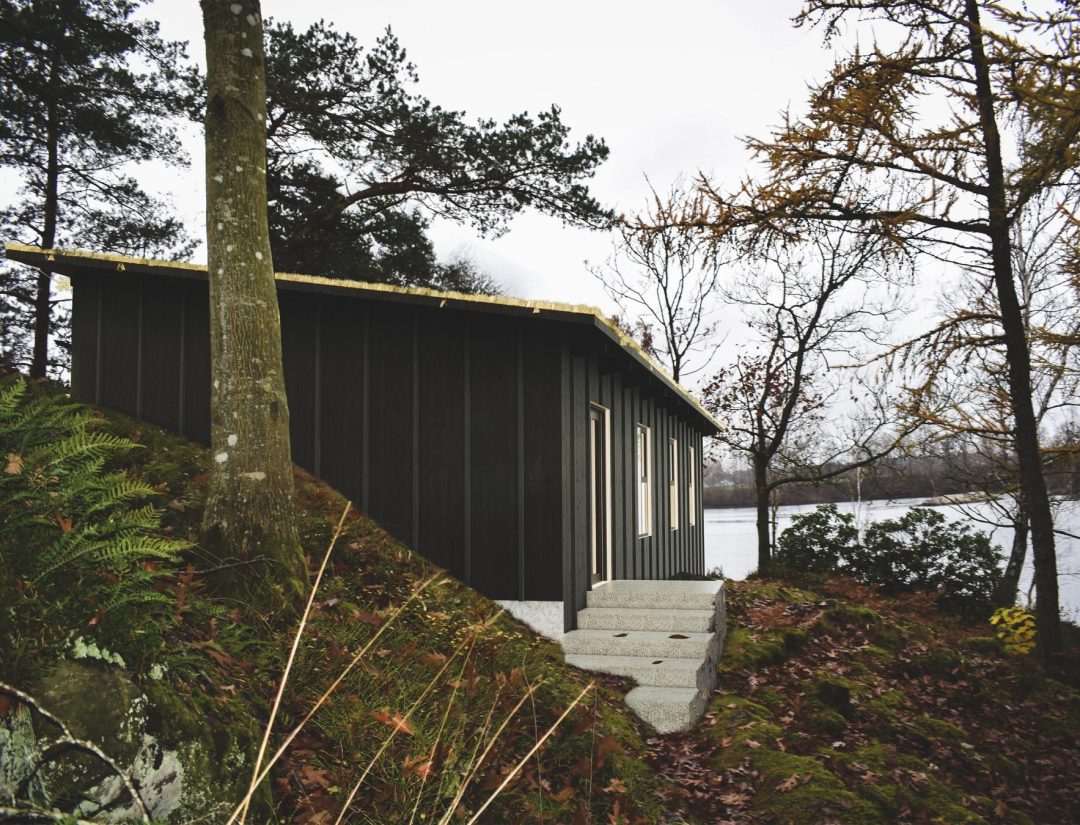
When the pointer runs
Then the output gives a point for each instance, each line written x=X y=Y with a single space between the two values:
x=394 y=732
x=528 y=756
x=442 y=727
x=326 y=695
x=487 y=749
x=291 y=659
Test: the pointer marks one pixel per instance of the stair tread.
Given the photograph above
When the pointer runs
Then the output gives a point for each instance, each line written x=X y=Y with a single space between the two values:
x=646 y=662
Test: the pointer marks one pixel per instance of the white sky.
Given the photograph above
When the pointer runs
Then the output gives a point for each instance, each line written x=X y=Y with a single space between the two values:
x=670 y=87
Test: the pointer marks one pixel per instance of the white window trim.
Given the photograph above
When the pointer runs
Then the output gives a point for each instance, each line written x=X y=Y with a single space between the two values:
x=673 y=482
x=643 y=480
x=691 y=495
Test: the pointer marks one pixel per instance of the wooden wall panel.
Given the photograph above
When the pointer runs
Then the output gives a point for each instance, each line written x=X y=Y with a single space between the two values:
x=196 y=353
x=341 y=407
x=494 y=563
x=441 y=410
x=119 y=370
x=161 y=362
x=390 y=406
x=543 y=466
x=299 y=349
x=86 y=291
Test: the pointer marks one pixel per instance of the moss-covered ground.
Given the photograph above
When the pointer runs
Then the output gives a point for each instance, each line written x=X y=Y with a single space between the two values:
x=836 y=705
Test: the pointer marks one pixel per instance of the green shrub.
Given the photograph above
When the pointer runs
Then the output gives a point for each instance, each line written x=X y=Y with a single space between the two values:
x=817 y=542
x=80 y=549
x=921 y=550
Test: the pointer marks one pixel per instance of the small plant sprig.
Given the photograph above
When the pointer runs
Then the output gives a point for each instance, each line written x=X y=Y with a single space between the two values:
x=1015 y=627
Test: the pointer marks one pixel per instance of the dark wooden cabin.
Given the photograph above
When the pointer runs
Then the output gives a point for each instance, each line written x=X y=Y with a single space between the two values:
x=528 y=448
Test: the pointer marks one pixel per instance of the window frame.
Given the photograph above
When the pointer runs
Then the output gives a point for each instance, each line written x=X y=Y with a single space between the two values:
x=673 y=482
x=643 y=477
x=691 y=488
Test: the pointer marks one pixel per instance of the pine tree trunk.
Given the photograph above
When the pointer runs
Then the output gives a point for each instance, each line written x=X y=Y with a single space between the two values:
x=1032 y=481
x=250 y=507
x=43 y=294
x=761 y=505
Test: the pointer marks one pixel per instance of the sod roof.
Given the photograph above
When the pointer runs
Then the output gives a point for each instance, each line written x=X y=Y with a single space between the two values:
x=71 y=262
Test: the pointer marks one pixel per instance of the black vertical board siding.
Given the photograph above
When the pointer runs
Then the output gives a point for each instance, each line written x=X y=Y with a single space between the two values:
x=567 y=451
x=629 y=492
x=389 y=407
x=494 y=474
x=578 y=417
x=86 y=290
x=160 y=362
x=441 y=408
x=196 y=389
x=342 y=406
x=119 y=343
x=543 y=470
x=298 y=340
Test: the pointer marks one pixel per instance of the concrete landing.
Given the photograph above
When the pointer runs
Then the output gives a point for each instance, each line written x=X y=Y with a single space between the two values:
x=665 y=635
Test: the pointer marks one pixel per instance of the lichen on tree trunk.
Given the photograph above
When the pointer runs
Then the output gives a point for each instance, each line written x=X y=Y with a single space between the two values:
x=250 y=507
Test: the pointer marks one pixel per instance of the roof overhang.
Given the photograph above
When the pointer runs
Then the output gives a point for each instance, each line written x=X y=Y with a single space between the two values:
x=74 y=262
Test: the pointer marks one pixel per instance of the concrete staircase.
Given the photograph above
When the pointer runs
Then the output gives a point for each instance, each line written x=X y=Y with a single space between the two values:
x=665 y=635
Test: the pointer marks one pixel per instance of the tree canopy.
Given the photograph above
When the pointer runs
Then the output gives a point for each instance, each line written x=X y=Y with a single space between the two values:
x=88 y=93
x=359 y=162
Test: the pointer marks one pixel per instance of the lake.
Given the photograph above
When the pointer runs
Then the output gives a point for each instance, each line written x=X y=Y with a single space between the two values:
x=731 y=542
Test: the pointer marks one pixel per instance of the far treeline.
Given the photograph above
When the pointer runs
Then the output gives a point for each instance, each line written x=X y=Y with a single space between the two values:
x=915 y=477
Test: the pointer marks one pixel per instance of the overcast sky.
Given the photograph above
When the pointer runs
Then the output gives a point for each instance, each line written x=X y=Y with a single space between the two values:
x=670 y=87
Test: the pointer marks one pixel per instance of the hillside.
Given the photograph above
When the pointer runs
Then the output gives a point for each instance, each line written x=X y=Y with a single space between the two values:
x=834 y=705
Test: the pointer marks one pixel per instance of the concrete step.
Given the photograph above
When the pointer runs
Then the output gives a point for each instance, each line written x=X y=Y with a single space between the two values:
x=668 y=709
x=678 y=595
x=636 y=618
x=654 y=643
x=645 y=670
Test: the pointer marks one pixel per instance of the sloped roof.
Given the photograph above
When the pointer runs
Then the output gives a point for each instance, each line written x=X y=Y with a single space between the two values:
x=67 y=262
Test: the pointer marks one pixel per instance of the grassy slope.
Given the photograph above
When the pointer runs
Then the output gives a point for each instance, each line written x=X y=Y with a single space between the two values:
x=837 y=706
x=222 y=661
x=833 y=705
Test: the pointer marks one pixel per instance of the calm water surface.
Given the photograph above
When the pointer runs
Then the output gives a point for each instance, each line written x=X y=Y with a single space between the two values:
x=730 y=539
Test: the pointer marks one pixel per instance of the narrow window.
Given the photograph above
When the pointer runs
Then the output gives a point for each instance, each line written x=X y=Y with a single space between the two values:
x=691 y=488
x=643 y=450
x=673 y=484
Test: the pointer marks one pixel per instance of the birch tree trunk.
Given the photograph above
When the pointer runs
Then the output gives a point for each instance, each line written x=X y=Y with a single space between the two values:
x=250 y=508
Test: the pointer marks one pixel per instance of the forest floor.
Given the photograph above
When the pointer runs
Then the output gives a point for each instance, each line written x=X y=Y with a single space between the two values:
x=833 y=705
x=836 y=705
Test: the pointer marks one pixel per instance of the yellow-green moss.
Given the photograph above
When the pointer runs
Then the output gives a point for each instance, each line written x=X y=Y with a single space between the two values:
x=819 y=796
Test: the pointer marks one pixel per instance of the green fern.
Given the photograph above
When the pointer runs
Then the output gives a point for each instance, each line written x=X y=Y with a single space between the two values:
x=83 y=539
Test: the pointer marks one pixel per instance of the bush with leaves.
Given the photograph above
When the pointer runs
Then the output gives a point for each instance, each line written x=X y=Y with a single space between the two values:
x=817 y=541
x=81 y=550
x=921 y=550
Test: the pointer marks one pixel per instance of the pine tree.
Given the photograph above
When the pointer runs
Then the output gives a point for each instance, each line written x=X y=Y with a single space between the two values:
x=88 y=92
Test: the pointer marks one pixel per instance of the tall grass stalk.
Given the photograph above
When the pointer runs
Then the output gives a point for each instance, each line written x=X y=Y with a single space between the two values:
x=475 y=767
x=480 y=737
x=528 y=756
x=326 y=695
x=292 y=657
x=442 y=727
x=386 y=743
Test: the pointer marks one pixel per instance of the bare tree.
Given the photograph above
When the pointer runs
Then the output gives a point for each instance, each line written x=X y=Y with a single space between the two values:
x=663 y=279
x=919 y=141
x=250 y=506
x=964 y=394
x=810 y=308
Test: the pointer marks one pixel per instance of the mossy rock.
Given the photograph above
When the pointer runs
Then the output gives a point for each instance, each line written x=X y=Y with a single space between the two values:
x=933 y=728
x=826 y=721
x=818 y=795
x=739 y=720
x=937 y=661
x=849 y=615
x=185 y=766
x=744 y=650
x=982 y=645
x=835 y=692
x=878 y=653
